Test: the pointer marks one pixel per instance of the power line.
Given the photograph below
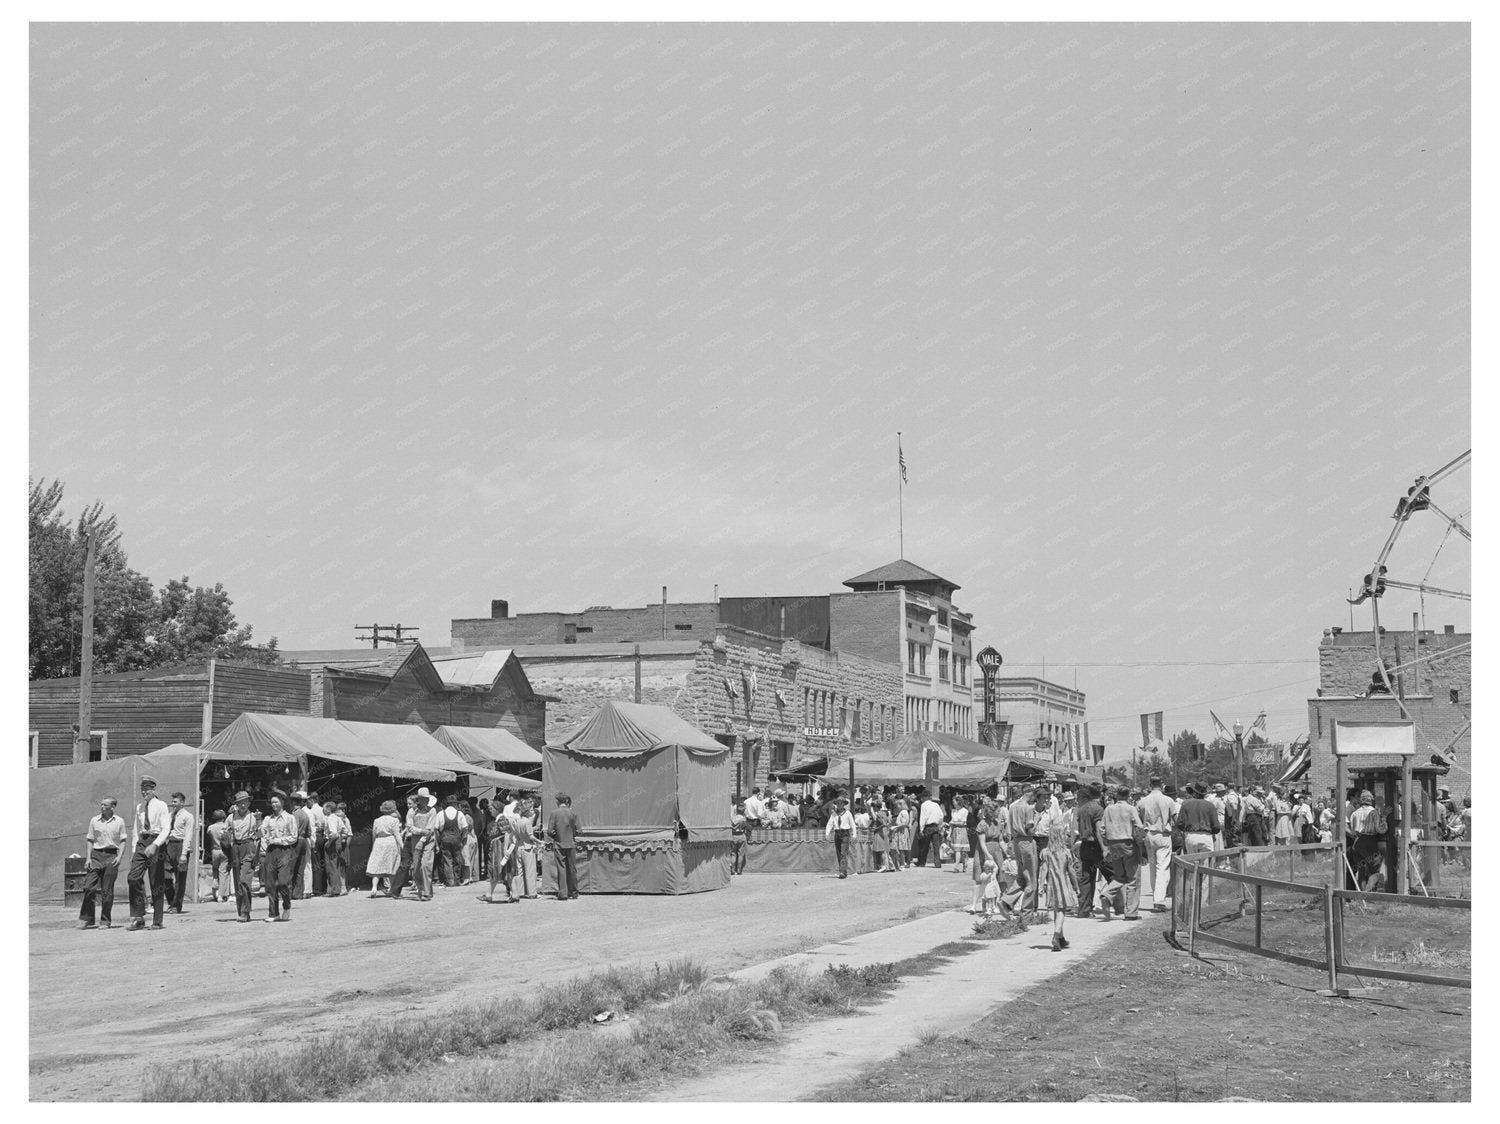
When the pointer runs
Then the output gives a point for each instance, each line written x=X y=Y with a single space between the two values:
x=1162 y=663
x=1206 y=702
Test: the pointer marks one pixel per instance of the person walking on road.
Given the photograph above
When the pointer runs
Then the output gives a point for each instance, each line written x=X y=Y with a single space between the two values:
x=421 y=829
x=149 y=859
x=562 y=829
x=105 y=840
x=1156 y=810
x=1022 y=815
x=1198 y=821
x=1090 y=850
x=1053 y=832
x=840 y=828
x=1120 y=832
x=279 y=833
x=385 y=850
x=219 y=859
x=182 y=840
x=242 y=841
x=302 y=850
x=930 y=831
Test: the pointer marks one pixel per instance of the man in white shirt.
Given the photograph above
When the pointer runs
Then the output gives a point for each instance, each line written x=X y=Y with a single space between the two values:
x=279 y=833
x=1216 y=798
x=841 y=830
x=182 y=841
x=1156 y=810
x=755 y=807
x=105 y=839
x=148 y=858
x=930 y=831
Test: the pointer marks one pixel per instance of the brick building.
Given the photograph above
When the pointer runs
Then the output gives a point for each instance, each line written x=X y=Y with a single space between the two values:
x=769 y=699
x=1436 y=693
x=1046 y=719
x=899 y=614
x=137 y=712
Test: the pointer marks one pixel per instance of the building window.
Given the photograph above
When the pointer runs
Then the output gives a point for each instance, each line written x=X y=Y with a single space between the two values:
x=922 y=659
x=911 y=656
x=781 y=756
x=34 y=743
x=683 y=627
x=584 y=628
x=943 y=664
x=942 y=616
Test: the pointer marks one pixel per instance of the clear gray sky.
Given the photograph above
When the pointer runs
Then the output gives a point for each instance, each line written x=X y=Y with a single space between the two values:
x=379 y=322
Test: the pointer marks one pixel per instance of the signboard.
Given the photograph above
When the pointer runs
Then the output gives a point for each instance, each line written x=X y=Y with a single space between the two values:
x=996 y=735
x=1363 y=739
x=1263 y=757
x=989 y=662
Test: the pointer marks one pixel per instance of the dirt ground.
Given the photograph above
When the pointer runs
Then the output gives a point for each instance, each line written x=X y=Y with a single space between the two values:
x=106 y=1003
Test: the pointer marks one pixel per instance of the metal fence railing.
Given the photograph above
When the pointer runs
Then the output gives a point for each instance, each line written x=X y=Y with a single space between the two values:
x=1289 y=904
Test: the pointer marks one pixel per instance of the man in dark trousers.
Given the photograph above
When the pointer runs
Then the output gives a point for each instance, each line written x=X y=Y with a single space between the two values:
x=182 y=839
x=106 y=839
x=303 y=848
x=1090 y=852
x=242 y=844
x=483 y=817
x=149 y=858
x=562 y=829
x=450 y=837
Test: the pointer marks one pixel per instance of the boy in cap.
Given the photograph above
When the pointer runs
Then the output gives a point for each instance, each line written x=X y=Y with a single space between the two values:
x=149 y=858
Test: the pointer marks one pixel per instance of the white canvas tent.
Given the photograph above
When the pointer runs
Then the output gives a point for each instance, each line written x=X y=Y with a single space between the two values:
x=485 y=746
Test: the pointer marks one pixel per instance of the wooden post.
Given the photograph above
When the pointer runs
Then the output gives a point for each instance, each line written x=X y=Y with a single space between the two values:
x=1331 y=941
x=1340 y=783
x=81 y=741
x=1194 y=909
x=637 y=673
x=851 y=784
x=1402 y=828
x=1258 y=903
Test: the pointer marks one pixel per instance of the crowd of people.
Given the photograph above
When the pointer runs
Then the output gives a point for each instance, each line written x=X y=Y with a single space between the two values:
x=299 y=848
x=1054 y=848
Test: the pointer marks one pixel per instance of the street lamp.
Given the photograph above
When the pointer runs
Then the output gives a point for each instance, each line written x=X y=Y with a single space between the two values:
x=1239 y=752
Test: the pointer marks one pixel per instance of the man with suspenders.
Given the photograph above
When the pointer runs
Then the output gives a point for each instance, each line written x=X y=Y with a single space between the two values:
x=149 y=858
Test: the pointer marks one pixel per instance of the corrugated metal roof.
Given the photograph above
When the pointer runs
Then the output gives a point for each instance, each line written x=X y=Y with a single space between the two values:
x=480 y=669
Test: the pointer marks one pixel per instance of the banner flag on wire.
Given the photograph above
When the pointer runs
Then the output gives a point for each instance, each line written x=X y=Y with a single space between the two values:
x=1220 y=731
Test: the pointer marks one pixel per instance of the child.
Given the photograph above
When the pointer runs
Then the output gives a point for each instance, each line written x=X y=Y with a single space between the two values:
x=991 y=890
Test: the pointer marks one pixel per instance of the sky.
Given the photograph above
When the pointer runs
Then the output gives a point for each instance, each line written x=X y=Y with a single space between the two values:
x=380 y=322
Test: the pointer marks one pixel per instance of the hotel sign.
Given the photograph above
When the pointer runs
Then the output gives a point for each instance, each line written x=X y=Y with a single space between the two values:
x=989 y=662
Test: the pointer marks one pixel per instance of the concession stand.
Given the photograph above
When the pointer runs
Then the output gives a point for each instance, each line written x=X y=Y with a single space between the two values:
x=651 y=792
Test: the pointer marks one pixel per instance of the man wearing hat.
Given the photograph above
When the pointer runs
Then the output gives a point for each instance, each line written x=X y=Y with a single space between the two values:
x=1119 y=830
x=149 y=858
x=106 y=838
x=278 y=835
x=242 y=845
x=1156 y=811
x=1367 y=827
x=421 y=828
x=1253 y=818
x=840 y=829
x=1215 y=796
x=1090 y=852
x=1232 y=808
x=1198 y=820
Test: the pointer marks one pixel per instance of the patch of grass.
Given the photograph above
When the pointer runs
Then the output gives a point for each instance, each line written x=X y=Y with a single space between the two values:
x=328 y=1065
x=997 y=928
x=1140 y=1020
x=675 y=1040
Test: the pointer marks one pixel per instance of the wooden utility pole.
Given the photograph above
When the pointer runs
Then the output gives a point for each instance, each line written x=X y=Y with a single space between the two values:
x=86 y=667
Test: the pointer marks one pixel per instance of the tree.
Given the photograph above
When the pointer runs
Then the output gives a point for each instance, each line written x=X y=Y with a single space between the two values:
x=134 y=627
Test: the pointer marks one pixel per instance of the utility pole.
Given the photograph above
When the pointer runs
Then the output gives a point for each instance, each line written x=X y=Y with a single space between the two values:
x=399 y=630
x=86 y=667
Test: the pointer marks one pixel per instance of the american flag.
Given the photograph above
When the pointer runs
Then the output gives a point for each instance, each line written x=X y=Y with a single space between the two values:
x=1258 y=728
x=901 y=459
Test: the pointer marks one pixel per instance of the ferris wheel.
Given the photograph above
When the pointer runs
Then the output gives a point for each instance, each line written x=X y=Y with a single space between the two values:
x=1418 y=499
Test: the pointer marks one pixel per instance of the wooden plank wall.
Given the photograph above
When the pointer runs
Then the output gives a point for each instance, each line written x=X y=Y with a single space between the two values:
x=264 y=690
x=141 y=715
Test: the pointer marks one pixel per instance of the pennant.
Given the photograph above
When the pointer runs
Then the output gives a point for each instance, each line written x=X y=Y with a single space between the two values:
x=1151 y=727
x=730 y=689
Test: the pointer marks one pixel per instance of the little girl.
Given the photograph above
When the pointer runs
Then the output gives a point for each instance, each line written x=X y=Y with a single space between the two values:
x=991 y=890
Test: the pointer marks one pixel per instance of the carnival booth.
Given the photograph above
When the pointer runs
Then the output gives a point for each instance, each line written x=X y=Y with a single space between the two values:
x=919 y=758
x=652 y=795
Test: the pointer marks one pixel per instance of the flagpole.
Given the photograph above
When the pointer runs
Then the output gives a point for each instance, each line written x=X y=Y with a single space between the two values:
x=900 y=496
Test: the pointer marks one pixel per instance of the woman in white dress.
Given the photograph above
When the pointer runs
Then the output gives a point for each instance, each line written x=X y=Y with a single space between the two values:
x=385 y=854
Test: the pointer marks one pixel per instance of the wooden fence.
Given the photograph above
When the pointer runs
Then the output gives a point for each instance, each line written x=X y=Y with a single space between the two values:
x=1191 y=872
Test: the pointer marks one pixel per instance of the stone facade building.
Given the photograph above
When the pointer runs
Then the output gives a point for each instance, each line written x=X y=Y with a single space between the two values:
x=771 y=700
x=1046 y=719
x=1436 y=692
x=898 y=614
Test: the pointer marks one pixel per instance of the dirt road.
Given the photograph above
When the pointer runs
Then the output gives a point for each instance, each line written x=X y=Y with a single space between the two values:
x=105 y=1003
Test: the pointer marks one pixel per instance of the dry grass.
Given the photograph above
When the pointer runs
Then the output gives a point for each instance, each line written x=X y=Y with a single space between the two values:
x=327 y=1066
x=1141 y=1021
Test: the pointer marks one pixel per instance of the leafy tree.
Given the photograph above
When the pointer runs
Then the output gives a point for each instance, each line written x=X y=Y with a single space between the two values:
x=134 y=627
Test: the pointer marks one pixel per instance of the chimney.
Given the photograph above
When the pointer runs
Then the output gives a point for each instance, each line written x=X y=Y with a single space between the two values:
x=499 y=610
x=1447 y=630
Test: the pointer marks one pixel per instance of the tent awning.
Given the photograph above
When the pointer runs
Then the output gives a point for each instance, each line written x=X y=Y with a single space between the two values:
x=396 y=750
x=628 y=729
x=484 y=746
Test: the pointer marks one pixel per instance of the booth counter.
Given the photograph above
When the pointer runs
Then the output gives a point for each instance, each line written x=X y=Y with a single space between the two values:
x=803 y=850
